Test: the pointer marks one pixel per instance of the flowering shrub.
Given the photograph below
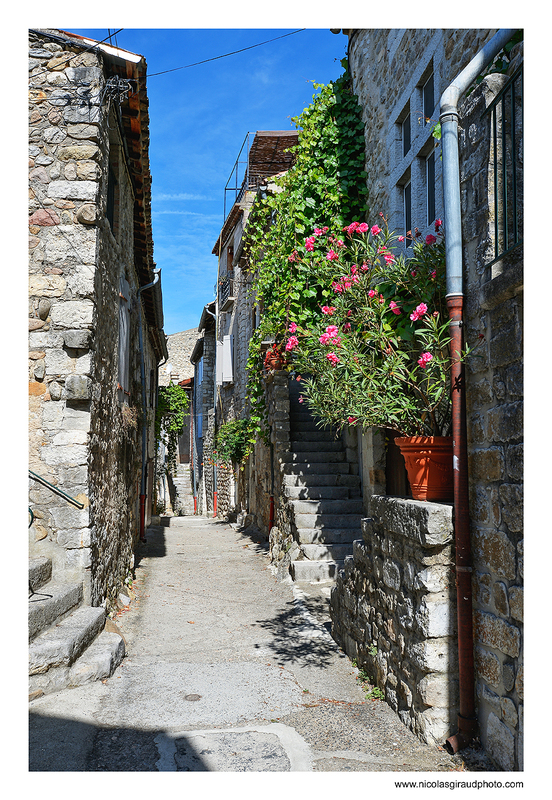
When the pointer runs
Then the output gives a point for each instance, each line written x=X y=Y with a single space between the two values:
x=389 y=363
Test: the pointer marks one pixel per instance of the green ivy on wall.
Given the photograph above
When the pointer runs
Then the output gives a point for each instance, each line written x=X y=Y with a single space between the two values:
x=325 y=186
x=172 y=405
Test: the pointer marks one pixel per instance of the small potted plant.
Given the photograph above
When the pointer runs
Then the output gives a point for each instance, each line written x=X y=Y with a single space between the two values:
x=274 y=358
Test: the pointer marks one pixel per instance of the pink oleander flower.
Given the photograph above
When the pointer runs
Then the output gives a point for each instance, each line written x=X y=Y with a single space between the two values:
x=389 y=258
x=337 y=287
x=351 y=228
x=434 y=273
x=438 y=224
x=292 y=327
x=301 y=399
x=332 y=358
x=365 y=267
x=319 y=231
x=292 y=342
x=347 y=326
x=309 y=243
x=418 y=312
x=381 y=299
x=340 y=243
x=337 y=341
x=400 y=239
x=394 y=307
x=293 y=256
x=430 y=239
x=424 y=360
x=354 y=269
x=329 y=310
x=413 y=273
x=332 y=330
x=374 y=230
x=349 y=313
x=332 y=255
x=371 y=293
x=350 y=420
x=362 y=228
x=325 y=338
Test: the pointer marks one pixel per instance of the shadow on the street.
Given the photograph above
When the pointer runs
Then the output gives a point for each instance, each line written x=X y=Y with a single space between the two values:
x=294 y=641
x=57 y=744
x=153 y=547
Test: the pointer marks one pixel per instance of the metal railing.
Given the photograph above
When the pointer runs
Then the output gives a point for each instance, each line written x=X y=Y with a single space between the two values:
x=506 y=174
x=226 y=291
x=35 y=477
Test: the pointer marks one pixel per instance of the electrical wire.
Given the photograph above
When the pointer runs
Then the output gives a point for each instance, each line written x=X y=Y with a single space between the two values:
x=225 y=55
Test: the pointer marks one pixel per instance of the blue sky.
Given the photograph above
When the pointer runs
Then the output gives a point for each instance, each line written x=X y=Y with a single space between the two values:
x=199 y=117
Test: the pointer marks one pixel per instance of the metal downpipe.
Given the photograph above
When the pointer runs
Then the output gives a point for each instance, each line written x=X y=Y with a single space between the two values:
x=467 y=718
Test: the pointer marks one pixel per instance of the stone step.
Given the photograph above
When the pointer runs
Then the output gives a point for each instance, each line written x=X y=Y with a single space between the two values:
x=310 y=457
x=327 y=552
x=317 y=447
x=51 y=603
x=317 y=492
x=328 y=521
x=326 y=535
x=63 y=643
x=323 y=507
x=310 y=469
x=98 y=662
x=40 y=572
x=314 y=571
x=302 y=435
x=317 y=480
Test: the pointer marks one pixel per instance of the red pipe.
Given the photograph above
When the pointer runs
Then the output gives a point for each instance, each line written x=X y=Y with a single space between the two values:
x=467 y=719
x=214 y=504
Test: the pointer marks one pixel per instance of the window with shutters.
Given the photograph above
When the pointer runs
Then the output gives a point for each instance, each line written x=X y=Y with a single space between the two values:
x=124 y=341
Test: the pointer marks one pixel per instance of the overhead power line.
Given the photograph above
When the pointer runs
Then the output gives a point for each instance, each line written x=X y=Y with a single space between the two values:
x=225 y=55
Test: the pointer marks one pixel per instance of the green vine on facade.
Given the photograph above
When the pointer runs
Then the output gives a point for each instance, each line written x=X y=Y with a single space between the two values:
x=172 y=406
x=233 y=441
x=326 y=185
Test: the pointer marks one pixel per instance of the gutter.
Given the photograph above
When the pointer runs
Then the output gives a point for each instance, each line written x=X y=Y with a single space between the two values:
x=467 y=718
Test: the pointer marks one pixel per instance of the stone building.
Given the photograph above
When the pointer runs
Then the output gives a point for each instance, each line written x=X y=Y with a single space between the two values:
x=202 y=413
x=174 y=488
x=394 y=605
x=264 y=155
x=95 y=315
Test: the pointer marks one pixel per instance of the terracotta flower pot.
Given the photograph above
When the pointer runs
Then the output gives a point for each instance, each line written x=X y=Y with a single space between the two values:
x=428 y=462
x=274 y=361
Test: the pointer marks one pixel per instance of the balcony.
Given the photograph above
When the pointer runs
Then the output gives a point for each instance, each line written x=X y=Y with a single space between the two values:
x=226 y=293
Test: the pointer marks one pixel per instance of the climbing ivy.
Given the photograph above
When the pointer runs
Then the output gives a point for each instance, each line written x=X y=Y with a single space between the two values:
x=172 y=405
x=325 y=186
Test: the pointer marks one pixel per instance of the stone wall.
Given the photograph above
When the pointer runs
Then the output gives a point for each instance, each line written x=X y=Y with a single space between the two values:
x=178 y=367
x=388 y=67
x=84 y=438
x=393 y=610
x=494 y=390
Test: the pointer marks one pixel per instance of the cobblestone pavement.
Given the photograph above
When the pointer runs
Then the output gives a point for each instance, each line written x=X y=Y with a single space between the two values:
x=227 y=669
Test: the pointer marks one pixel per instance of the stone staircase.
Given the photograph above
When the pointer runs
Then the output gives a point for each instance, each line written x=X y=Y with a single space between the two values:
x=184 y=498
x=68 y=645
x=324 y=494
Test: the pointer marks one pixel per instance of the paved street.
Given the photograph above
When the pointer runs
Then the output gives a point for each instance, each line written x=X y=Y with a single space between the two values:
x=227 y=670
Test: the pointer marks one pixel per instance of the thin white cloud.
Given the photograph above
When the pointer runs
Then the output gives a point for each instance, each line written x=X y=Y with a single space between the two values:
x=183 y=196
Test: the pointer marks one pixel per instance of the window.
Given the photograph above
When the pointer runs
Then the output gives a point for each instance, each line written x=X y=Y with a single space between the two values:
x=428 y=99
x=124 y=341
x=430 y=187
x=405 y=134
x=415 y=171
x=407 y=198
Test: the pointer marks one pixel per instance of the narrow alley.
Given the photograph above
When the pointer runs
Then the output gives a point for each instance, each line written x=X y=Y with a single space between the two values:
x=226 y=670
